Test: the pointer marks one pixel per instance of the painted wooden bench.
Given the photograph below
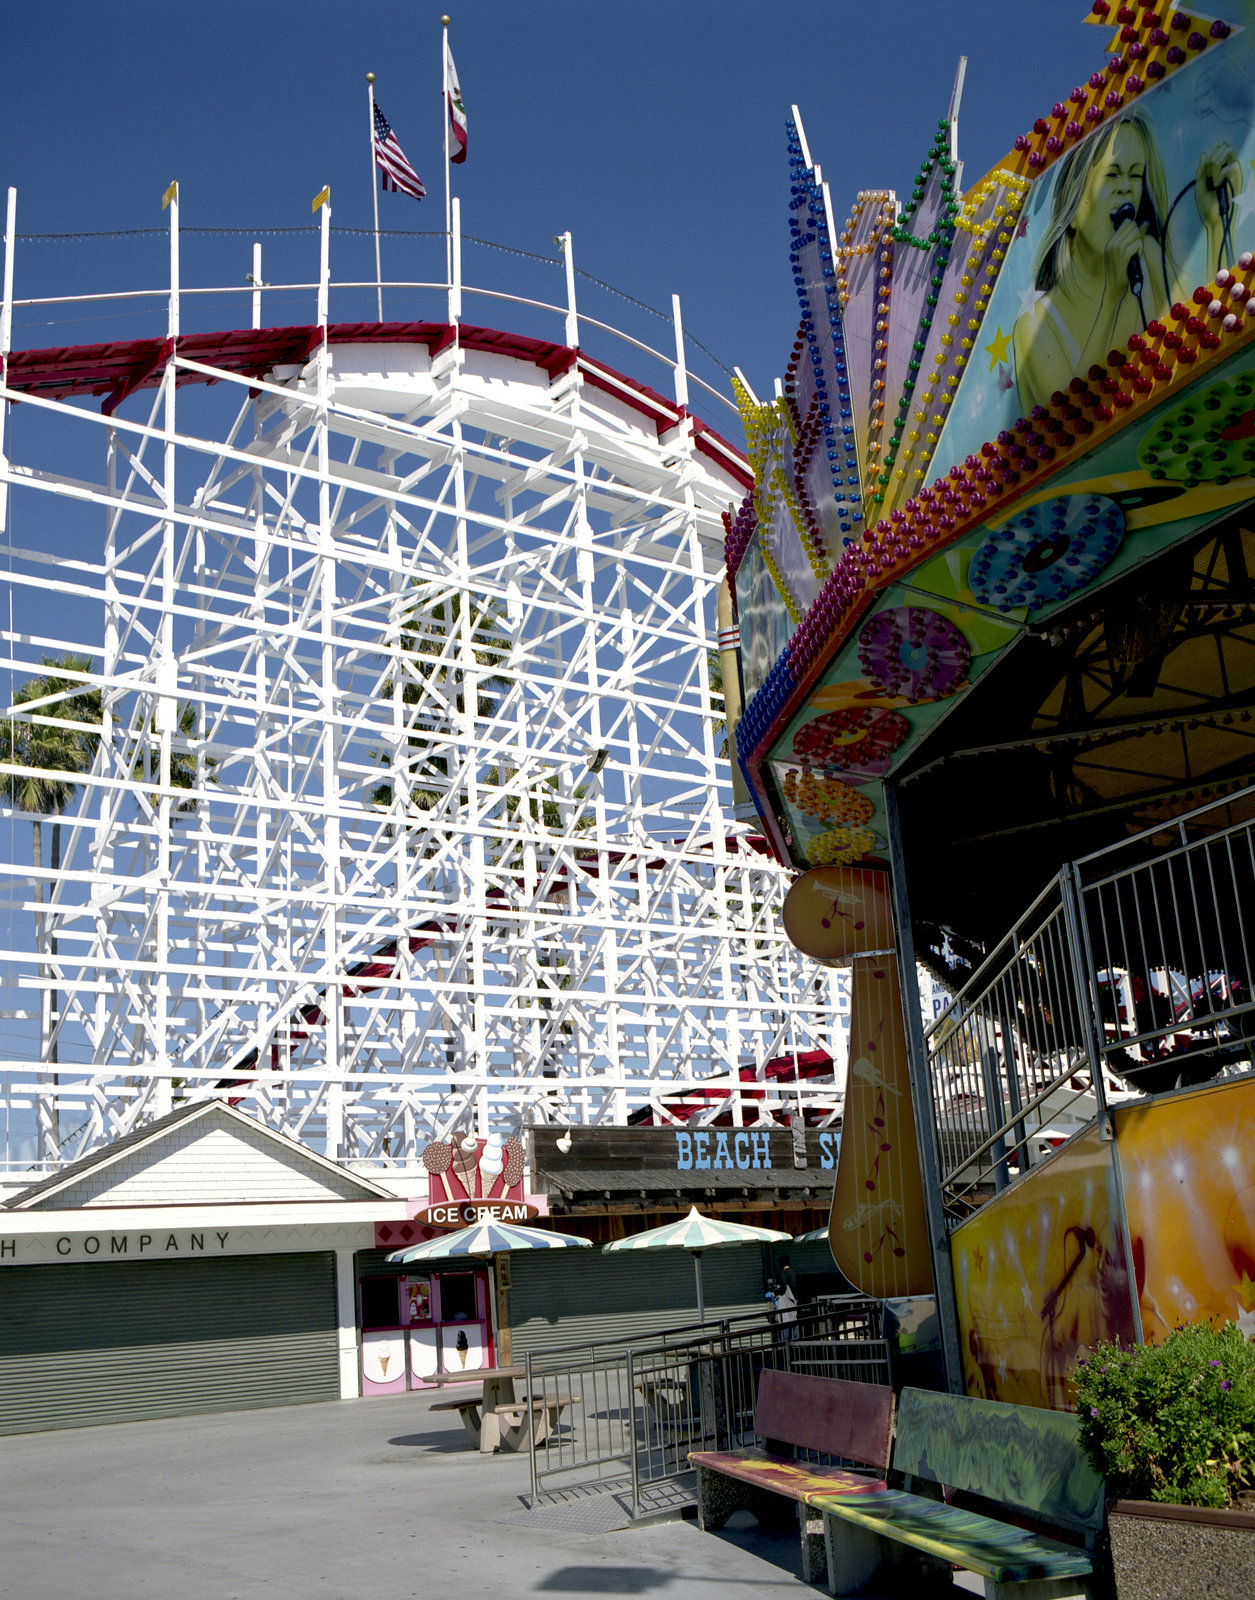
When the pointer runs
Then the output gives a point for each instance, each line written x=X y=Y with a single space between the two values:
x=1027 y=1460
x=796 y=1412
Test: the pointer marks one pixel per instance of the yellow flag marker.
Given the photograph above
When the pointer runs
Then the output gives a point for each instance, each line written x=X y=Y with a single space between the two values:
x=172 y=193
x=323 y=197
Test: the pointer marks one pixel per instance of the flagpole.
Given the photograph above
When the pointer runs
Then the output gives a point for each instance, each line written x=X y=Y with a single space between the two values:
x=374 y=190
x=444 y=113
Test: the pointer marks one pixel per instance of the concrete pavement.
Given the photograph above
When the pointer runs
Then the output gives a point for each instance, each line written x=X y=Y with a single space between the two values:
x=371 y=1498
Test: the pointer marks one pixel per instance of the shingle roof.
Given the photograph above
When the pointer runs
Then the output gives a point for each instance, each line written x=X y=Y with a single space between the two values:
x=149 y=1131
x=96 y=1158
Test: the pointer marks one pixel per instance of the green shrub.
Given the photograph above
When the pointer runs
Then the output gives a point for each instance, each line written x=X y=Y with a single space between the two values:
x=1175 y=1421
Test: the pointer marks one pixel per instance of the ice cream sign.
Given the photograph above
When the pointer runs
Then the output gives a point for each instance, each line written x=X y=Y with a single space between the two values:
x=455 y=1214
x=473 y=1180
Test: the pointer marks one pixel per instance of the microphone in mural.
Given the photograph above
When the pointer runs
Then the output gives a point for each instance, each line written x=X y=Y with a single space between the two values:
x=1133 y=266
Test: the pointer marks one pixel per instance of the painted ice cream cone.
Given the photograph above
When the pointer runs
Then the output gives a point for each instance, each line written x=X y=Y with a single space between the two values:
x=491 y=1161
x=437 y=1158
x=463 y=1348
x=513 y=1163
x=465 y=1166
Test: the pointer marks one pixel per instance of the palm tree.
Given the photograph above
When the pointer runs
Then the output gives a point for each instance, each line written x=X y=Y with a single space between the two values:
x=426 y=631
x=718 y=706
x=61 y=736
x=543 y=803
x=183 y=762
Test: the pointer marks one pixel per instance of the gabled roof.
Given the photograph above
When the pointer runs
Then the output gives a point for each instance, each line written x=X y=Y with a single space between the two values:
x=151 y=1134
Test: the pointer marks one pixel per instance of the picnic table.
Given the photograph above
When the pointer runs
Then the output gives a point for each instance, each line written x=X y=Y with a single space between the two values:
x=497 y=1419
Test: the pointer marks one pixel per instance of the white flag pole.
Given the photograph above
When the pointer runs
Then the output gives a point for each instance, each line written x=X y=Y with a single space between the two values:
x=374 y=191
x=6 y=336
x=171 y=199
x=322 y=202
x=444 y=114
x=255 y=279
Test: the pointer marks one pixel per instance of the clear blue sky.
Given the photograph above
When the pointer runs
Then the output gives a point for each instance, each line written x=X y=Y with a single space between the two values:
x=653 y=130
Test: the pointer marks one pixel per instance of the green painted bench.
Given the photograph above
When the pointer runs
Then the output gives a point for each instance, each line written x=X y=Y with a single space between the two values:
x=796 y=1412
x=1028 y=1461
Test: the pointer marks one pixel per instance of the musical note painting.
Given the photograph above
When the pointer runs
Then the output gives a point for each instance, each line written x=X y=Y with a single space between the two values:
x=877 y=1232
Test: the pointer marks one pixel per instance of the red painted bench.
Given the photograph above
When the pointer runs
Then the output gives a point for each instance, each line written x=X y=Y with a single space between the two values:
x=795 y=1412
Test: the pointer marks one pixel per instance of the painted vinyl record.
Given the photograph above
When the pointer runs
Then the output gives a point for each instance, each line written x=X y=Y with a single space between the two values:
x=912 y=651
x=828 y=799
x=1209 y=439
x=858 y=740
x=1047 y=552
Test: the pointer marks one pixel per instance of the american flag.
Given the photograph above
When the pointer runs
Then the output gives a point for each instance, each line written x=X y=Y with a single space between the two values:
x=397 y=176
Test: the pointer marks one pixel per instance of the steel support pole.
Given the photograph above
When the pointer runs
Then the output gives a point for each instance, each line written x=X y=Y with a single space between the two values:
x=1085 y=986
x=922 y=1103
x=989 y=1065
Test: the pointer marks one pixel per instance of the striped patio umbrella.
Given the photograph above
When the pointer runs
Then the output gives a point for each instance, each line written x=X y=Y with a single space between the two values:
x=487 y=1238
x=813 y=1237
x=697 y=1233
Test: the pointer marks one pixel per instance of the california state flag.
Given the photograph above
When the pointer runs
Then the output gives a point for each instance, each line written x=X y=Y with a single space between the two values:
x=457 y=111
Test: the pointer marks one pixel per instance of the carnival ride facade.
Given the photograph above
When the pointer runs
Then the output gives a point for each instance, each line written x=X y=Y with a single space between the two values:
x=996 y=589
x=404 y=815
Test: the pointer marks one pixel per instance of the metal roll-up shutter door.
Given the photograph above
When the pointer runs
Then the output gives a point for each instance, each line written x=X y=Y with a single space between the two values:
x=563 y=1297
x=83 y=1344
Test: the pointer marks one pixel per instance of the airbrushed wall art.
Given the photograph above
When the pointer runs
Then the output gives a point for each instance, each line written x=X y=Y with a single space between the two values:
x=1041 y=1276
x=1002 y=393
x=877 y=1229
x=1188 y=1165
x=1041 y=1272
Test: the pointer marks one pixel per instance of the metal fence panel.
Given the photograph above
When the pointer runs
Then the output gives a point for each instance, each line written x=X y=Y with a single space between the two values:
x=633 y=1415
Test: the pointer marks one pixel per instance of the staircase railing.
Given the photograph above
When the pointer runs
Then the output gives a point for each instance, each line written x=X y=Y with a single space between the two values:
x=1130 y=971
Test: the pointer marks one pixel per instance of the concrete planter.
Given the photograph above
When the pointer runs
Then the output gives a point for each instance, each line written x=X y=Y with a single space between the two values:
x=1161 y=1552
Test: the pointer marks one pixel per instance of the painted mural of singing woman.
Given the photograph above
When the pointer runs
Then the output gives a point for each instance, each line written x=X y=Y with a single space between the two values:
x=1107 y=265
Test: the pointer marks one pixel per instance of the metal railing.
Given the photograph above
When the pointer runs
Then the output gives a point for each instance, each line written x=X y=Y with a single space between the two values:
x=1168 y=952
x=1012 y=1054
x=132 y=312
x=1129 y=971
x=631 y=1415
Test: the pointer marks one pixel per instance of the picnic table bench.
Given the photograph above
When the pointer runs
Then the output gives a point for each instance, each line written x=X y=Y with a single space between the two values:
x=496 y=1388
x=796 y=1412
x=1027 y=1460
x=537 y=1414
x=668 y=1400
x=496 y=1419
